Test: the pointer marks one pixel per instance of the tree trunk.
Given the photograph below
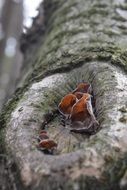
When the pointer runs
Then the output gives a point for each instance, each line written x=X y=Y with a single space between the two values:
x=83 y=41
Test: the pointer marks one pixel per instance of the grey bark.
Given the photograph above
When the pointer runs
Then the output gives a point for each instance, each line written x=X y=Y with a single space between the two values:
x=83 y=40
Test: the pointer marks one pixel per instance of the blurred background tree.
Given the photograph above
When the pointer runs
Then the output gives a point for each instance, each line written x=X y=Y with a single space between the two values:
x=11 y=25
x=13 y=15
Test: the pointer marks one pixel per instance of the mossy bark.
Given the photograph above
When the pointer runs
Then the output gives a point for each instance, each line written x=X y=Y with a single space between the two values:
x=83 y=40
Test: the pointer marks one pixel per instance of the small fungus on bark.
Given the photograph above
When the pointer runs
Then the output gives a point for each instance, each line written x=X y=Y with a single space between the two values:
x=76 y=109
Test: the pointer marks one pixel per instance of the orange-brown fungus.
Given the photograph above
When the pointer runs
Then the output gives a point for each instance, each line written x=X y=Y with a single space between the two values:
x=79 y=111
x=43 y=131
x=83 y=87
x=66 y=104
x=78 y=95
x=47 y=144
x=43 y=136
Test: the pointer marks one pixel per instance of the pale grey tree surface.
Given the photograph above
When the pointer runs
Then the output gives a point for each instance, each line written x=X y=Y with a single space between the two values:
x=82 y=40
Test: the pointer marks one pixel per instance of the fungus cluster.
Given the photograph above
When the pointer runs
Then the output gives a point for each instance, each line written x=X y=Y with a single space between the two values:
x=77 y=107
x=45 y=143
x=77 y=110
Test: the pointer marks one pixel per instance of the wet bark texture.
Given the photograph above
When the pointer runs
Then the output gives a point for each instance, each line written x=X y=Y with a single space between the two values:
x=81 y=40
